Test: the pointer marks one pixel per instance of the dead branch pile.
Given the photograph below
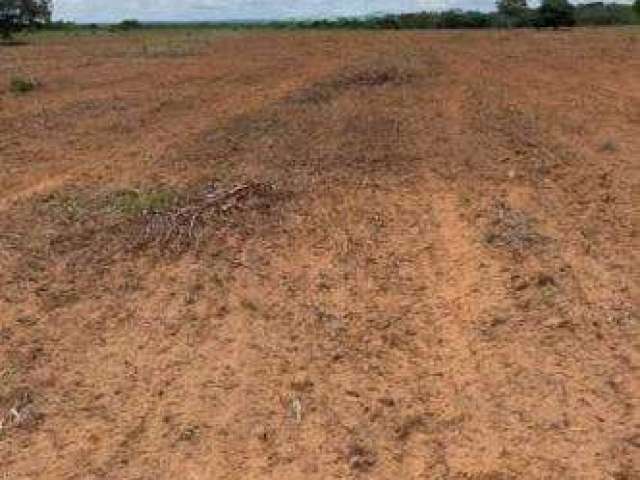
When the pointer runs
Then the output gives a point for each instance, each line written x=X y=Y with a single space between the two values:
x=180 y=227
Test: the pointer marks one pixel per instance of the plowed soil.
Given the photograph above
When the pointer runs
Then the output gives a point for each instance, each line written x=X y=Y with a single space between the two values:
x=381 y=255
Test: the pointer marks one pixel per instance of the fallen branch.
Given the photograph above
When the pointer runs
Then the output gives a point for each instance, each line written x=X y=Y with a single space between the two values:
x=180 y=226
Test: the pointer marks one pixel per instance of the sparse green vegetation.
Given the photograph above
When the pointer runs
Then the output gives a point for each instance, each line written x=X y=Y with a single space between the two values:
x=21 y=85
x=609 y=146
x=137 y=202
x=72 y=207
x=65 y=206
x=171 y=48
x=190 y=433
x=248 y=304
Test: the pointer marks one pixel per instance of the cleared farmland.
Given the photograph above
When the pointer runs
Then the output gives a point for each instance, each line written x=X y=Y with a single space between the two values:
x=321 y=255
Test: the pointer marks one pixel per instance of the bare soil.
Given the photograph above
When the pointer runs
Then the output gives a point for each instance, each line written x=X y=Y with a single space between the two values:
x=385 y=255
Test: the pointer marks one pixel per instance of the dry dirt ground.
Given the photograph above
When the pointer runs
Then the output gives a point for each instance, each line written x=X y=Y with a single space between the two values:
x=318 y=255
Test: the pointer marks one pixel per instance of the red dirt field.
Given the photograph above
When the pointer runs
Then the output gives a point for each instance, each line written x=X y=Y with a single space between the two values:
x=381 y=255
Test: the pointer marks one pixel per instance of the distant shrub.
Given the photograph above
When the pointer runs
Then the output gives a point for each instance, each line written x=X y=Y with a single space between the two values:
x=129 y=24
x=21 y=85
x=60 y=25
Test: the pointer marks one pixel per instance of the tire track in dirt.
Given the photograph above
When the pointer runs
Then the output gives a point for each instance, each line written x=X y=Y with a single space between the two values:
x=483 y=295
x=263 y=384
x=467 y=287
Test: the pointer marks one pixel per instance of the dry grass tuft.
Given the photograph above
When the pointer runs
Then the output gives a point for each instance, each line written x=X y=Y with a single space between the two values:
x=376 y=74
x=19 y=412
x=511 y=229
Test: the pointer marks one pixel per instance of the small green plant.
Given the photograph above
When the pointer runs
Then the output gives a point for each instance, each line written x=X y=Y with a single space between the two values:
x=465 y=200
x=609 y=147
x=65 y=206
x=168 y=49
x=190 y=433
x=549 y=294
x=21 y=85
x=248 y=305
x=72 y=208
x=135 y=202
x=548 y=288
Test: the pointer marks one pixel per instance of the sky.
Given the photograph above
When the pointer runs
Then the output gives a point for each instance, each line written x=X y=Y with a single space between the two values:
x=201 y=10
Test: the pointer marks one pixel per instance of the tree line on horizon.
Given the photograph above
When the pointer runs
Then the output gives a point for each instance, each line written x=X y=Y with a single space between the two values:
x=17 y=15
x=508 y=14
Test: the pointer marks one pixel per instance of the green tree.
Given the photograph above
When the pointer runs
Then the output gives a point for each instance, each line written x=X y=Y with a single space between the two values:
x=636 y=7
x=555 y=13
x=15 y=15
x=511 y=8
x=514 y=13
